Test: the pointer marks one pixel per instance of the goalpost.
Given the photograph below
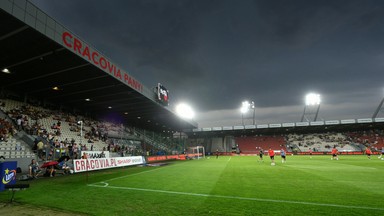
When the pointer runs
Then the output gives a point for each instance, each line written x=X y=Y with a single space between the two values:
x=196 y=152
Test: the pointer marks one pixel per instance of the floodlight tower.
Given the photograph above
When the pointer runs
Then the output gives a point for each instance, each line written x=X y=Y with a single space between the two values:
x=379 y=108
x=184 y=111
x=312 y=102
x=245 y=107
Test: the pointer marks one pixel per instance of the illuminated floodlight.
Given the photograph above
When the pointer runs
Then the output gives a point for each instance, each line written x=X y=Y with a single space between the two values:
x=312 y=99
x=5 y=70
x=311 y=108
x=185 y=111
x=245 y=106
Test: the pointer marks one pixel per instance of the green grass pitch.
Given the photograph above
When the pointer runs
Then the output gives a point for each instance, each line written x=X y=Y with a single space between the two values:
x=237 y=185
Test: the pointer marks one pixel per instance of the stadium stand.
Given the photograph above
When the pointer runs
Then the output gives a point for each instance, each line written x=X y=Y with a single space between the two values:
x=251 y=145
x=300 y=143
x=371 y=138
x=321 y=142
x=58 y=130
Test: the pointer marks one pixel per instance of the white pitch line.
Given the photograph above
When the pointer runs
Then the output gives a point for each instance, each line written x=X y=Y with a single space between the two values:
x=139 y=173
x=239 y=198
x=134 y=174
x=229 y=159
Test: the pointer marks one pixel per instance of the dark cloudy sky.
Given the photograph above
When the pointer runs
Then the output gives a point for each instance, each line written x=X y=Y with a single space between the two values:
x=214 y=54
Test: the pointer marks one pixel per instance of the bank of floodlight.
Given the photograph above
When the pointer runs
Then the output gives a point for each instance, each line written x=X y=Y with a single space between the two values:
x=311 y=108
x=5 y=70
x=312 y=99
x=185 y=111
x=245 y=107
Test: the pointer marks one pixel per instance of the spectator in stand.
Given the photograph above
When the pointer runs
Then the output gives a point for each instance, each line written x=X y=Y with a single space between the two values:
x=40 y=146
x=24 y=122
x=56 y=144
x=18 y=146
x=70 y=152
x=47 y=150
x=102 y=155
x=34 y=169
x=84 y=156
x=271 y=154
x=50 y=171
x=334 y=153
x=74 y=151
x=50 y=153
x=368 y=152
x=34 y=148
x=64 y=166
x=6 y=130
x=19 y=122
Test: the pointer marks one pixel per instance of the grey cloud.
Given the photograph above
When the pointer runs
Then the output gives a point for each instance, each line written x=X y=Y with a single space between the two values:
x=218 y=53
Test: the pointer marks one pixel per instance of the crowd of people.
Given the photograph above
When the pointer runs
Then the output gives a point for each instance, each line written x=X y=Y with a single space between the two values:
x=7 y=130
x=361 y=140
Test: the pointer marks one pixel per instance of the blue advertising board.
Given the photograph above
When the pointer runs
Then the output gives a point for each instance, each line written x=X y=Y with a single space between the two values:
x=7 y=173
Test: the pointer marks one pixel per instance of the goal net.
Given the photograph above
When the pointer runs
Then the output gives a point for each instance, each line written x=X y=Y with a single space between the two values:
x=196 y=152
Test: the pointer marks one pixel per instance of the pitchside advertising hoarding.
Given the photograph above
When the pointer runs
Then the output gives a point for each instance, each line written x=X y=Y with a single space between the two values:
x=7 y=173
x=84 y=165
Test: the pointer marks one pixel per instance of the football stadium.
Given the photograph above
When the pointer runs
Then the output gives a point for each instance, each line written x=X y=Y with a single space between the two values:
x=82 y=136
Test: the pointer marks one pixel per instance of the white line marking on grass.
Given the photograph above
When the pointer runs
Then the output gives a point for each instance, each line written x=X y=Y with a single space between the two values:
x=134 y=174
x=241 y=198
x=139 y=173
x=105 y=184
x=229 y=159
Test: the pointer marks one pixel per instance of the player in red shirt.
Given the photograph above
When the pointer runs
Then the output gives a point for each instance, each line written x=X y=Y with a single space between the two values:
x=368 y=152
x=335 y=153
x=272 y=156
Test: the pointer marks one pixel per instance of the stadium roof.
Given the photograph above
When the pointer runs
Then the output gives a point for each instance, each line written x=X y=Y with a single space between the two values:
x=346 y=125
x=39 y=54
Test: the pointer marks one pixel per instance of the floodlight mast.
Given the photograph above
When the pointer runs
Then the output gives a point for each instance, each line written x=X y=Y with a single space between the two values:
x=311 y=100
x=184 y=111
x=379 y=108
x=245 y=106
